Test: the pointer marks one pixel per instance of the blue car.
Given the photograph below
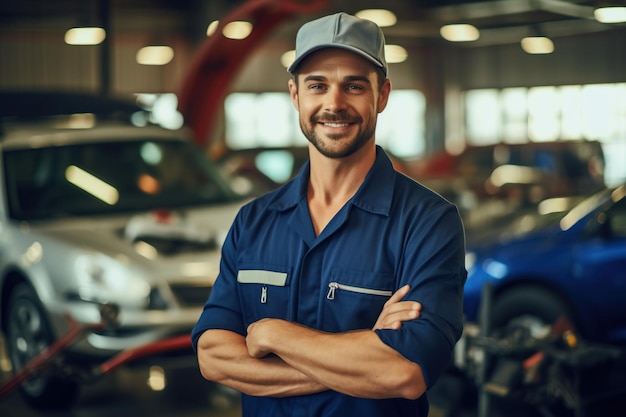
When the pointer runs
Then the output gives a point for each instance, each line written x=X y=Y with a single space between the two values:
x=566 y=263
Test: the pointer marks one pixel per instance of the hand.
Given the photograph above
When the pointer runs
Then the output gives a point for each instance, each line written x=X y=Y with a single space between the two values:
x=395 y=311
x=256 y=338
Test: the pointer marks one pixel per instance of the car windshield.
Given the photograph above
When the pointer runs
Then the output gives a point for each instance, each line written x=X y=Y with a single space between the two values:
x=109 y=177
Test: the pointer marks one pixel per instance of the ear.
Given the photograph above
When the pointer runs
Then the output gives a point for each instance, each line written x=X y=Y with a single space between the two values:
x=293 y=92
x=383 y=98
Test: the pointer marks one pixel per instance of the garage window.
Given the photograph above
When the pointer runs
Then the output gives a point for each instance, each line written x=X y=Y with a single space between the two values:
x=552 y=113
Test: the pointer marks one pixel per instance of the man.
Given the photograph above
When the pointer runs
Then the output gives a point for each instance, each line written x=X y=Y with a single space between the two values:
x=339 y=294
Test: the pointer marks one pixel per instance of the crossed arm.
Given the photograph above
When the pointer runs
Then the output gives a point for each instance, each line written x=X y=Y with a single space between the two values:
x=280 y=358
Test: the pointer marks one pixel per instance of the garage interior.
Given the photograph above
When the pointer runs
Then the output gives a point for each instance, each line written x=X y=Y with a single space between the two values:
x=205 y=69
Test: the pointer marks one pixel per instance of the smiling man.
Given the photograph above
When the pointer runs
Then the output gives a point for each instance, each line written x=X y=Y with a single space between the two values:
x=340 y=293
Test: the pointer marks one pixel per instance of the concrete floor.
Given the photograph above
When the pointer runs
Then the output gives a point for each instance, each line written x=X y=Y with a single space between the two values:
x=125 y=392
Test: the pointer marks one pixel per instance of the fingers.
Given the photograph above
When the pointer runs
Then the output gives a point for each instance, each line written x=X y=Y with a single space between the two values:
x=395 y=311
x=393 y=319
x=398 y=295
x=256 y=338
x=402 y=311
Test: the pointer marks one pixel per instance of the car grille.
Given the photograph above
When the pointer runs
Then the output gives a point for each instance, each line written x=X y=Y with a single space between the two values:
x=191 y=295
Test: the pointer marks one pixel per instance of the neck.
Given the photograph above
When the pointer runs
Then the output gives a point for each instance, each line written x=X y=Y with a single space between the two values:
x=333 y=182
x=336 y=180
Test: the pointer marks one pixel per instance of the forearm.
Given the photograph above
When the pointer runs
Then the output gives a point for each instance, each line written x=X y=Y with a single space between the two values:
x=354 y=363
x=223 y=357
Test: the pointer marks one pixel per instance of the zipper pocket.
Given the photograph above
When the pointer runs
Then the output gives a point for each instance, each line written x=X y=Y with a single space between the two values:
x=333 y=286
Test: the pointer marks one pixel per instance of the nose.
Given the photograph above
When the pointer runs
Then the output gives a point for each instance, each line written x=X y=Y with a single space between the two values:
x=335 y=99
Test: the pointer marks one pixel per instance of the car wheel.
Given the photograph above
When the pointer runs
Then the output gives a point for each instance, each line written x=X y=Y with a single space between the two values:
x=28 y=334
x=532 y=308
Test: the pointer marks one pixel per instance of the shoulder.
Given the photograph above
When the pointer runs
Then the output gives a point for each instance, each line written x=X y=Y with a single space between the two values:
x=417 y=193
x=420 y=205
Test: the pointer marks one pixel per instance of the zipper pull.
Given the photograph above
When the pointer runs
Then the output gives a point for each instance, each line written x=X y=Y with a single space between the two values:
x=263 y=295
x=331 y=290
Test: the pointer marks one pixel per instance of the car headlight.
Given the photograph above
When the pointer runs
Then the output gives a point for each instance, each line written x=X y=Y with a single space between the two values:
x=103 y=279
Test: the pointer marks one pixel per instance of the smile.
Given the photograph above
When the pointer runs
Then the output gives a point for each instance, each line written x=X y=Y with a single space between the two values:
x=331 y=124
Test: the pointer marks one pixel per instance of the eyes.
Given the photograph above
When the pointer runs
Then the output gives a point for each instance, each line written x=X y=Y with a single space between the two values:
x=351 y=88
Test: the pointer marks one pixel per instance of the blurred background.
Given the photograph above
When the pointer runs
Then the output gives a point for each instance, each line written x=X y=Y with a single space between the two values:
x=527 y=71
x=501 y=106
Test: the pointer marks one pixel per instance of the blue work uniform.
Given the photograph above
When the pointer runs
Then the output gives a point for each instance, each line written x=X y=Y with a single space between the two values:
x=392 y=232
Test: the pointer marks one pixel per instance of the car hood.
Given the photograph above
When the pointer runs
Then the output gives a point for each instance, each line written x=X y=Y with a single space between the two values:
x=151 y=239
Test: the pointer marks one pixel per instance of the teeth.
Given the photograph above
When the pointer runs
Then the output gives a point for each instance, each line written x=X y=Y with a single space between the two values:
x=336 y=124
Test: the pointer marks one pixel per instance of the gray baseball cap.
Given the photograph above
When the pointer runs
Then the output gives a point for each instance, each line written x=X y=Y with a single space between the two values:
x=341 y=30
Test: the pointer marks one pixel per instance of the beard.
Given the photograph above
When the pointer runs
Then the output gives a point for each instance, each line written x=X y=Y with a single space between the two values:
x=339 y=146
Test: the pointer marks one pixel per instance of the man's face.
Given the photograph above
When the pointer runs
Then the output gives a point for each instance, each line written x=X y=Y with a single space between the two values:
x=338 y=100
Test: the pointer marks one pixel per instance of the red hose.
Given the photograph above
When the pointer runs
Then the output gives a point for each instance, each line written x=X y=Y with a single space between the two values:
x=166 y=345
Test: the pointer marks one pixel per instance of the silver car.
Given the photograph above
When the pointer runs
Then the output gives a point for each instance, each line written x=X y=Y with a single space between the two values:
x=133 y=216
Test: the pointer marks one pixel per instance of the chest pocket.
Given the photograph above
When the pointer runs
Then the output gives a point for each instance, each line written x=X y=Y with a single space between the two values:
x=354 y=300
x=263 y=294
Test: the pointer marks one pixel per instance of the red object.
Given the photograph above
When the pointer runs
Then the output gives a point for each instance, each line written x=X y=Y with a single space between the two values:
x=39 y=362
x=441 y=165
x=165 y=345
x=162 y=216
x=219 y=59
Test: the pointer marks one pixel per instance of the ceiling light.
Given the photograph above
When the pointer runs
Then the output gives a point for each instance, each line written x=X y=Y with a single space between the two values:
x=155 y=55
x=237 y=30
x=381 y=17
x=459 y=33
x=395 y=54
x=537 y=45
x=610 y=14
x=212 y=27
x=92 y=184
x=287 y=58
x=85 y=36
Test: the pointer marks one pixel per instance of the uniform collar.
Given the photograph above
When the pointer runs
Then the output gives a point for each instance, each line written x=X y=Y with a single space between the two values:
x=376 y=192
x=374 y=195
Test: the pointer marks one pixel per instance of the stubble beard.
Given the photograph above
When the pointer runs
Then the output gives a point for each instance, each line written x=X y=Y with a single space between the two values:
x=349 y=146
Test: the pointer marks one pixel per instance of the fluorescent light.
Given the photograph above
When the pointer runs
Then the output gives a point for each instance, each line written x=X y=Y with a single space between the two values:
x=212 y=27
x=537 y=45
x=287 y=58
x=237 y=29
x=395 y=54
x=155 y=55
x=92 y=184
x=381 y=17
x=459 y=33
x=610 y=14
x=85 y=36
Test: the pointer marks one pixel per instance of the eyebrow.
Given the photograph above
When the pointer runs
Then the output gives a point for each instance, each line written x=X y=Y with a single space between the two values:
x=350 y=78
